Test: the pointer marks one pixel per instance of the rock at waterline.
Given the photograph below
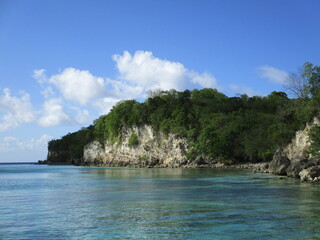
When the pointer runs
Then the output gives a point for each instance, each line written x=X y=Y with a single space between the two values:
x=310 y=174
x=297 y=165
x=279 y=164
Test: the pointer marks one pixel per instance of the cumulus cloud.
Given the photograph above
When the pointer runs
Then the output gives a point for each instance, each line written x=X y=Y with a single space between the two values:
x=74 y=96
x=204 y=80
x=273 y=74
x=78 y=85
x=47 y=91
x=11 y=144
x=148 y=72
x=67 y=92
x=16 y=110
x=143 y=69
x=53 y=113
x=124 y=90
x=83 y=116
x=243 y=90
x=105 y=104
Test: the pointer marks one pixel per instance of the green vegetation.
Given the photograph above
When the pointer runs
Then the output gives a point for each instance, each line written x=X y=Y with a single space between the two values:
x=133 y=140
x=71 y=145
x=314 y=137
x=143 y=158
x=238 y=128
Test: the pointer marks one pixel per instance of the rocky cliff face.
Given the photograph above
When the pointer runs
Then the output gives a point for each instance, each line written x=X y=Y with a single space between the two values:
x=294 y=160
x=158 y=150
x=151 y=151
x=298 y=148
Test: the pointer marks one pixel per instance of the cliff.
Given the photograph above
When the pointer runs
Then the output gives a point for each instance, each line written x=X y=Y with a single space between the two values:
x=234 y=129
x=160 y=150
x=294 y=160
x=150 y=151
x=299 y=146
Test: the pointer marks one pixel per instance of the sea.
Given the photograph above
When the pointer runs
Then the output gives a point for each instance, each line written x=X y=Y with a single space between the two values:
x=68 y=202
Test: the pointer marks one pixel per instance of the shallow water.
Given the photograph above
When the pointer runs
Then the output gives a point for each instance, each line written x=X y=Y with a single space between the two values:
x=67 y=202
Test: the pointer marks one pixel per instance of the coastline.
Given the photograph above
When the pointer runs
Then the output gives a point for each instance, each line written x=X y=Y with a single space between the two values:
x=310 y=174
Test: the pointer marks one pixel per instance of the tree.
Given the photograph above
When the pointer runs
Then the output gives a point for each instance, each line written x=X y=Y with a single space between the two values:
x=297 y=84
x=237 y=128
x=314 y=79
x=155 y=93
x=314 y=138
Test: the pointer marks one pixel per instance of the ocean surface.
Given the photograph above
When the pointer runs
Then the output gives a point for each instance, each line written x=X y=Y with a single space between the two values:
x=68 y=202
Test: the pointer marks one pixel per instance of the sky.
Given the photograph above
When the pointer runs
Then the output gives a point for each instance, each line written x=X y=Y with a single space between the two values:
x=63 y=63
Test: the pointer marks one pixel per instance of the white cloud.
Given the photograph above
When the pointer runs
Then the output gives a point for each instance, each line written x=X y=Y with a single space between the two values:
x=12 y=144
x=53 y=113
x=148 y=72
x=204 y=80
x=83 y=116
x=273 y=74
x=78 y=85
x=48 y=92
x=17 y=110
x=40 y=76
x=72 y=88
x=124 y=90
x=145 y=70
x=243 y=90
x=105 y=104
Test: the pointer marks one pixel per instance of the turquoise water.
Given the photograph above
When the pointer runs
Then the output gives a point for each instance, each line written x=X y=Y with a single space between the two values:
x=67 y=202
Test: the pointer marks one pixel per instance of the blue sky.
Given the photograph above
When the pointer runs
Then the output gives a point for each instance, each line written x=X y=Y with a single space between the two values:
x=64 y=63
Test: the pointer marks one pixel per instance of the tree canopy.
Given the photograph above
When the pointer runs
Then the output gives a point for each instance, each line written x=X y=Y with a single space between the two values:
x=305 y=82
x=238 y=128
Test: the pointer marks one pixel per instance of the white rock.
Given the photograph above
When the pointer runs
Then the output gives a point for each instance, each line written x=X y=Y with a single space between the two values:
x=152 y=150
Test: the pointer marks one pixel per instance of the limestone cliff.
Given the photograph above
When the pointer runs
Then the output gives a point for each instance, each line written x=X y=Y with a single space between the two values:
x=299 y=146
x=160 y=150
x=152 y=150
x=294 y=160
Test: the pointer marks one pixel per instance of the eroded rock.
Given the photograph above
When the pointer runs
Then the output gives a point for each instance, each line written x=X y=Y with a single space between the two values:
x=310 y=174
x=297 y=165
x=279 y=164
x=261 y=168
x=299 y=146
x=152 y=151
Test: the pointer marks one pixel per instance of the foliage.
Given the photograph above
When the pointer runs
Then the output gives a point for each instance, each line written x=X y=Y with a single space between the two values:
x=314 y=138
x=133 y=140
x=298 y=83
x=71 y=145
x=305 y=82
x=240 y=128
x=313 y=73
